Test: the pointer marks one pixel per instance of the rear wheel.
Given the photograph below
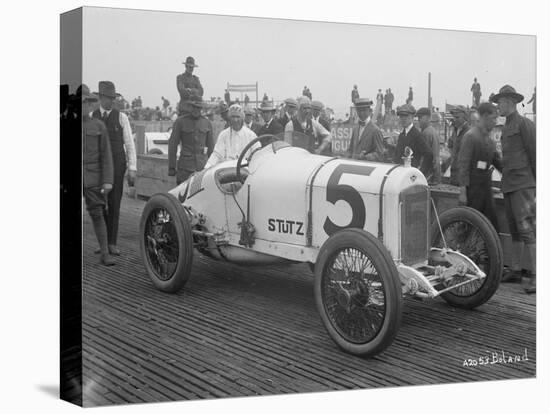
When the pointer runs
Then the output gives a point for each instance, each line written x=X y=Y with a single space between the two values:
x=468 y=231
x=358 y=292
x=166 y=242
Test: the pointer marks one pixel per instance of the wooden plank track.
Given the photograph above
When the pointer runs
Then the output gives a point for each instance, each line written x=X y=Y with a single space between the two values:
x=236 y=331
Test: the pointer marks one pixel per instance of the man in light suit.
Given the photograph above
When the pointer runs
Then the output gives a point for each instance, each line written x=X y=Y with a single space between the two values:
x=367 y=141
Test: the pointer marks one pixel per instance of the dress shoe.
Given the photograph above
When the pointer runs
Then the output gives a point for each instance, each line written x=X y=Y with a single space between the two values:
x=511 y=276
x=532 y=286
x=107 y=260
x=114 y=250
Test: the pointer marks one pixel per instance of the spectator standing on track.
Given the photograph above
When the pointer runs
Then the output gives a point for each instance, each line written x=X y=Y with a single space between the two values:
x=430 y=135
x=518 y=181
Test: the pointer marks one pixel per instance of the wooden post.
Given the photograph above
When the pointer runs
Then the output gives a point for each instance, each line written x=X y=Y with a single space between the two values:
x=430 y=91
x=256 y=94
x=140 y=138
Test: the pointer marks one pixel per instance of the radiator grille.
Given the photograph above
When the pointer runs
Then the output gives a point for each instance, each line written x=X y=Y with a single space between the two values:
x=414 y=224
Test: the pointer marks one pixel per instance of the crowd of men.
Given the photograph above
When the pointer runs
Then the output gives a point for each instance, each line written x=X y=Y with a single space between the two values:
x=108 y=148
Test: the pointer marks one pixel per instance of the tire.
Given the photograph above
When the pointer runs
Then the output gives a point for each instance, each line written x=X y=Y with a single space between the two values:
x=166 y=242
x=342 y=307
x=483 y=247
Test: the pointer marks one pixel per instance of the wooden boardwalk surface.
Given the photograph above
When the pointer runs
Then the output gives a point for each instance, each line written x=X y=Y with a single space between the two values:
x=235 y=331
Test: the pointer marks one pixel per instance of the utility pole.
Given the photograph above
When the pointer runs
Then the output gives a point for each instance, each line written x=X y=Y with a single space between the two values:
x=430 y=91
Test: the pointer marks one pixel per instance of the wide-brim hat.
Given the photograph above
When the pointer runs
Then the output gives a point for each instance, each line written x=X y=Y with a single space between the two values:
x=190 y=61
x=196 y=101
x=406 y=109
x=267 y=106
x=107 y=88
x=363 y=103
x=507 y=91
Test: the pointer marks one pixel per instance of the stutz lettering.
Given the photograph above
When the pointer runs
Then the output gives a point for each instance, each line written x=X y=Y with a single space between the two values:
x=285 y=226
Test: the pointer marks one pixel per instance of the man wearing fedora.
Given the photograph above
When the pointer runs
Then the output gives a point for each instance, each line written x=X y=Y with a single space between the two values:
x=271 y=125
x=188 y=85
x=518 y=182
x=460 y=127
x=367 y=141
x=123 y=152
x=412 y=138
x=193 y=133
x=97 y=171
x=431 y=137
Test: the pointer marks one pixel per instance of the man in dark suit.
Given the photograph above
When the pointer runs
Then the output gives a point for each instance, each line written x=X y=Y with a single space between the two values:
x=460 y=127
x=411 y=137
x=272 y=125
x=367 y=141
x=249 y=122
x=317 y=114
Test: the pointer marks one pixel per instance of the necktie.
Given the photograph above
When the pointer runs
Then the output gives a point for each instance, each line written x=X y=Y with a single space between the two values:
x=404 y=131
x=105 y=115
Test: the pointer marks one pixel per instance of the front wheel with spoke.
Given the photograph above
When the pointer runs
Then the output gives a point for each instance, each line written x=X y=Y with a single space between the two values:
x=358 y=292
x=166 y=242
x=469 y=232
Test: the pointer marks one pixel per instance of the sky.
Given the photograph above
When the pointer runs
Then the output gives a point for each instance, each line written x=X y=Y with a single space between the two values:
x=142 y=53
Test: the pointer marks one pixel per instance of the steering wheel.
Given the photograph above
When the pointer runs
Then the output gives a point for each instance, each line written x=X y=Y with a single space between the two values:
x=272 y=138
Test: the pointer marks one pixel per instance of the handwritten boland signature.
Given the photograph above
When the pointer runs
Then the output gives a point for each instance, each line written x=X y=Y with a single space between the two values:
x=497 y=357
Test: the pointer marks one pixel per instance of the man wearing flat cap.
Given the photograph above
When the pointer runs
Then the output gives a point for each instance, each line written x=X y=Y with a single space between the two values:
x=124 y=155
x=271 y=125
x=367 y=141
x=460 y=127
x=412 y=138
x=290 y=108
x=188 y=85
x=192 y=133
x=430 y=135
x=304 y=132
x=97 y=171
x=518 y=182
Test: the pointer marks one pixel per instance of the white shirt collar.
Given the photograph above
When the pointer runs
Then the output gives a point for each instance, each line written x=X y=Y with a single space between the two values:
x=102 y=110
x=407 y=130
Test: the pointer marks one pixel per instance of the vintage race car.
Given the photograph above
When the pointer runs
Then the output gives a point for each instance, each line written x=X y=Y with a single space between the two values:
x=365 y=228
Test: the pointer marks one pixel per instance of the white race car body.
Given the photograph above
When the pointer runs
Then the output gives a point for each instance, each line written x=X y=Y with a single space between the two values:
x=297 y=200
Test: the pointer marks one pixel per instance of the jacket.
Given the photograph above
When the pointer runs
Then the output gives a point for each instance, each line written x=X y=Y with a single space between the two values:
x=97 y=160
x=369 y=146
x=274 y=128
x=196 y=140
x=519 y=156
x=421 y=151
x=477 y=153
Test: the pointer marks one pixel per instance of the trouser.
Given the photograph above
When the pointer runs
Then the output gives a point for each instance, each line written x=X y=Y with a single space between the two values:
x=114 y=198
x=182 y=175
x=95 y=204
x=480 y=197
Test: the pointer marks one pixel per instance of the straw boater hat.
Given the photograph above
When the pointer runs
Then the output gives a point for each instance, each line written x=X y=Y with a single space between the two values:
x=190 y=61
x=267 y=106
x=406 y=109
x=107 y=88
x=363 y=103
x=507 y=92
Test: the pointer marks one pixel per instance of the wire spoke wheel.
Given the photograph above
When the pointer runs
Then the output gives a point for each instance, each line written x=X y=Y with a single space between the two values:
x=162 y=244
x=358 y=292
x=469 y=232
x=467 y=239
x=166 y=242
x=353 y=294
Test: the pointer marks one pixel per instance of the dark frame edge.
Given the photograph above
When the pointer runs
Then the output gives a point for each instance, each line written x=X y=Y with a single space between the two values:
x=70 y=387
